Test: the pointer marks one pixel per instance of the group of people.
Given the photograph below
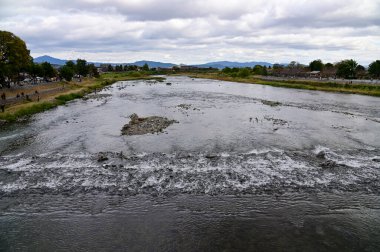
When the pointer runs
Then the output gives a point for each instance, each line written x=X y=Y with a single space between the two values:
x=3 y=100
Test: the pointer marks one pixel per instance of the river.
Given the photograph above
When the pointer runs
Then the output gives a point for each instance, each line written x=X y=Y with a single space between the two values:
x=247 y=167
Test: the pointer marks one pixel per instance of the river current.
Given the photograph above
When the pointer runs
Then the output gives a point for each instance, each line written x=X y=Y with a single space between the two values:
x=247 y=167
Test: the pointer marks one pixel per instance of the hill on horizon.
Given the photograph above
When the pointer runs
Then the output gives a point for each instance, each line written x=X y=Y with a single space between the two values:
x=155 y=64
x=223 y=64
x=49 y=59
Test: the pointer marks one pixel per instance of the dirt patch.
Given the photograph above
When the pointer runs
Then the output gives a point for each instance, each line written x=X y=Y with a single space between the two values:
x=145 y=125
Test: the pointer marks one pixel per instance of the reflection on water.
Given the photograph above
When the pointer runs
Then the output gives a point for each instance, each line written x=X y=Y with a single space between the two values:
x=247 y=167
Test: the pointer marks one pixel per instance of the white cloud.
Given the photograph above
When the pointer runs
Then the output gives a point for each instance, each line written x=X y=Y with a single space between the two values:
x=197 y=31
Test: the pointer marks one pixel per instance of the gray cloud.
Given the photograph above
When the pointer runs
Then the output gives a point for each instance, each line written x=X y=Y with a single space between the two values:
x=198 y=30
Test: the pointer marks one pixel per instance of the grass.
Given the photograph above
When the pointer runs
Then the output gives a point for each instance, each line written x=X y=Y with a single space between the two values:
x=362 y=89
x=72 y=91
x=62 y=99
x=27 y=111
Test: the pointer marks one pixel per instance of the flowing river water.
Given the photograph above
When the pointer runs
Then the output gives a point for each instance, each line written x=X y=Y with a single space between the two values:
x=247 y=167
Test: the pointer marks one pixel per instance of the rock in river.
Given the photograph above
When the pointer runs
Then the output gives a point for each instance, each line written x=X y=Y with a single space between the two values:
x=144 y=125
x=102 y=157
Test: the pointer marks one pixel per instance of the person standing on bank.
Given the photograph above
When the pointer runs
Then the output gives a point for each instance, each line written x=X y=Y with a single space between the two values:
x=2 y=103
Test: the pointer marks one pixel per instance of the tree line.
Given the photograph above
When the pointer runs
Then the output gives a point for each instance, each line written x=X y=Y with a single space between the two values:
x=124 y=68
x=347 y=69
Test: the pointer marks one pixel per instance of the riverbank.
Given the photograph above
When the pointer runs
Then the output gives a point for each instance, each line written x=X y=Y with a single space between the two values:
x=36 y=99
x=362 y=88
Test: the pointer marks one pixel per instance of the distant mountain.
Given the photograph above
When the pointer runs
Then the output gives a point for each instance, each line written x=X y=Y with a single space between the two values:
x=155 y=64
x=51 y=60
x=223 y=64
x=152 y=64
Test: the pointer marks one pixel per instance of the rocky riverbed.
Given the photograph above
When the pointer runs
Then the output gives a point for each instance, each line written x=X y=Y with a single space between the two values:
x=145 y=125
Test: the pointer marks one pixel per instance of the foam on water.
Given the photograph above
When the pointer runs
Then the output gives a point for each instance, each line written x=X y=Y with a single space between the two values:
x=255 y=172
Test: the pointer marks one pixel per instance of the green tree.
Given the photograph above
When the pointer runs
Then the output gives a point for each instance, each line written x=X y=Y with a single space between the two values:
x=145 y=67
x=347 y=69
x=294 y=65
x=47 y=70
x=278 y=66
x=110 y=68
x=119 y=68
x=257 y=69
x=93 y=70
x=265 y=71
x=130 y=68
x=226 y=70
x=14 y=57
x=71 y=65
x=359 y=68
x=316 y=65
x=35 y=70
x=244 y=73
x=82 y=68
x=66 y=72
x=374 y=69
x=260 y=70
x=329 y=65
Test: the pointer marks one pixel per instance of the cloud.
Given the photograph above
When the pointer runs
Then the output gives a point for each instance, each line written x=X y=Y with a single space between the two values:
x=199 y=30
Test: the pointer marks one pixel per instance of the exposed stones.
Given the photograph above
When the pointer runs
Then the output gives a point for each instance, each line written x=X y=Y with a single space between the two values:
x=184 y=106
x=321 y=155
x=271 y=103
x=102 y=157
x=330 y=164
x=211 y=156
x=276 y=121
x=144 y=125
x=187 y=107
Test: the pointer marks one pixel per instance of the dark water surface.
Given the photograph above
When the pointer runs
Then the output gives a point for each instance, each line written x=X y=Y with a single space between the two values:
x=248 y=167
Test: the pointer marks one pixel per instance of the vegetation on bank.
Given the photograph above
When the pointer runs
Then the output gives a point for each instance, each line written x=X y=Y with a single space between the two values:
x=73 y=90
x=363 y=89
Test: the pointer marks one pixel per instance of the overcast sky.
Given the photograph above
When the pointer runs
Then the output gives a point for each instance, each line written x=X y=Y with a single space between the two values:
x=197 y=31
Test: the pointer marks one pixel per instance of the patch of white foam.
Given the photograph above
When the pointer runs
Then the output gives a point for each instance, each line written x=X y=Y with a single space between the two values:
x=18 y=164
x=8 y=137
x=261 y=151
x=14 y=186
x=225 y=154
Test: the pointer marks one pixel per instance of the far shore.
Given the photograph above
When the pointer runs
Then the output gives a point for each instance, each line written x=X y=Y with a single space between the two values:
x=340 y=86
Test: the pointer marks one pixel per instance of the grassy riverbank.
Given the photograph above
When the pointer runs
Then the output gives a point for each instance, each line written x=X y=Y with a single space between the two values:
x=62 y=92
x=362 y=89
